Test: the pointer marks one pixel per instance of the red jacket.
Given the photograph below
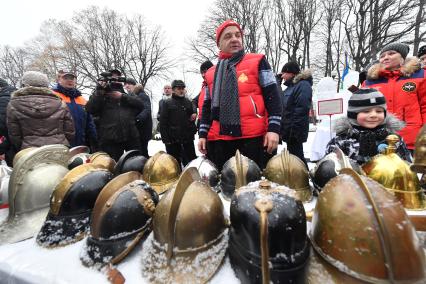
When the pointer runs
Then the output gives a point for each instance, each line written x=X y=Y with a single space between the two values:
x=201 y=100
x=405 y=93
x=253 y=115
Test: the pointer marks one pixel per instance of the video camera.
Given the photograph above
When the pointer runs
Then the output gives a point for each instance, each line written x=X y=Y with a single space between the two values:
x=107 y=77
x=112 y=83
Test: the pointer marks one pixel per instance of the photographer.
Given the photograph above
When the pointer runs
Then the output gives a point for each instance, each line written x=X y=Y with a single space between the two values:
x=117 y=112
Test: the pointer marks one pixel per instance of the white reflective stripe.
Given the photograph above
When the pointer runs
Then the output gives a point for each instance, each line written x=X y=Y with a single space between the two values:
x=266 y=78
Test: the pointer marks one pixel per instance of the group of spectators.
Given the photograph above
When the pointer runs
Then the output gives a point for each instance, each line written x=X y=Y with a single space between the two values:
x=37 y=114
x=240 y=107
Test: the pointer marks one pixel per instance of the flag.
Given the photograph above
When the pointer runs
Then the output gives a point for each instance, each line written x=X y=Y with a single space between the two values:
x=345 y=71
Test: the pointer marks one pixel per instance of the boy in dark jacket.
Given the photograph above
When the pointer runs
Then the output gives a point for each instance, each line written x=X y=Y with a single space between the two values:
x=297 y=101
x=177 y=124
x=362 y=133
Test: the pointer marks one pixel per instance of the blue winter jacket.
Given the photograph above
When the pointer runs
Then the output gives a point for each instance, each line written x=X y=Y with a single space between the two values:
x=297 y=102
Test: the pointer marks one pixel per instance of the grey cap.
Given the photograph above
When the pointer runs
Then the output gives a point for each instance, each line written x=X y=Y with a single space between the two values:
x=401 y=48
x=35 y=79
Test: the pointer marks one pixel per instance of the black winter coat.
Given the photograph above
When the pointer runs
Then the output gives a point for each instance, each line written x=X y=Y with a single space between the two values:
x=175 y=120
x=144 y=118
x=297 y=101
x=117 y=117
x=4 y=100
x=5 y=146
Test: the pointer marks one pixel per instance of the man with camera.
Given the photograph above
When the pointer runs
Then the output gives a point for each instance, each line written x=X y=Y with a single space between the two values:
x=117 y=112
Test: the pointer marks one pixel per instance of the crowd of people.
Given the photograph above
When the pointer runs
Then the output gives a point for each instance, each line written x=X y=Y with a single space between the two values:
x=240 y=107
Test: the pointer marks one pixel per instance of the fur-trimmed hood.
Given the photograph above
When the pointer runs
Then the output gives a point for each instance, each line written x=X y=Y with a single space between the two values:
x=410 y=66
x=392 y=124
x=27 y=91
x=36 y=102
x=304 y=75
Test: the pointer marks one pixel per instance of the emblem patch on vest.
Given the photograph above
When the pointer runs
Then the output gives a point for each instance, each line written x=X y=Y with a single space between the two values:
x=409 y=87
x=243 y=78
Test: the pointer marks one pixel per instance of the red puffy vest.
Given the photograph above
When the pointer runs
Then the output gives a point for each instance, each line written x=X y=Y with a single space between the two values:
x=253 y=114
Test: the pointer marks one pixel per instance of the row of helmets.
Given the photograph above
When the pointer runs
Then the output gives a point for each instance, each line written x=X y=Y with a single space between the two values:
x=359 y=230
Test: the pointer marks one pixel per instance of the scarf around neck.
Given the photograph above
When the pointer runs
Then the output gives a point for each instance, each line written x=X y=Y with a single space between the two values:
x=370 y=138
x=72 y=93
x=225 y=97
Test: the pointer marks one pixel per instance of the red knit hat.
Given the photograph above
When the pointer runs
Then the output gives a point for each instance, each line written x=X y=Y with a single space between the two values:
x=223 y=26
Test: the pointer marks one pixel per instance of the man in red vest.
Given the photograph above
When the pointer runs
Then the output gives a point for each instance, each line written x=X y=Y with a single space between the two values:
x=243 y=110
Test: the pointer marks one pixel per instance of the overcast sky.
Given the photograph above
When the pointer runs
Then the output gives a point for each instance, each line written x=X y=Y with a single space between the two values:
x=20 y=20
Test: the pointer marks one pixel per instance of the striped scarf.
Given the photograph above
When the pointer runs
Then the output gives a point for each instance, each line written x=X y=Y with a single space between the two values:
x=225 y=97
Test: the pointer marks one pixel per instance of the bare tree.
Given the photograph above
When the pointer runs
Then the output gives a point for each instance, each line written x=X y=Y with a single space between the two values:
x=97 y=40
x=371 y=24
x=419 y=34
x=13 y=63
x=249 y=14
x=147 y=50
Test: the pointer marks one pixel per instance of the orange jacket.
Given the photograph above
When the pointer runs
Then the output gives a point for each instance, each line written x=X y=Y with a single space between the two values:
x=405 y=93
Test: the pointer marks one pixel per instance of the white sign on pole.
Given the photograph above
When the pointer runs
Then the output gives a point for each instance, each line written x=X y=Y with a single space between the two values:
x=330 y=107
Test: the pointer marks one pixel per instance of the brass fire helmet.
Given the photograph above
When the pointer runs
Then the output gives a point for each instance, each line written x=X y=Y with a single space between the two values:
x=268 y=239
x=419 y=164
x=190 y=237
x=362 y=233
x=330 y=166
x=120 y=219
x=207 y=170
x=161 y=171
x=287 y=169
x=33 y=179
x=103 y=159
x=395 y=175
x=237 y=172
x=71 y=205
x=77 y=156
x=132 y=160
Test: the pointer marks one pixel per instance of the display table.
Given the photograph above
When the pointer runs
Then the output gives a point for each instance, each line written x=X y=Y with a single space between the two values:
x=26 y=262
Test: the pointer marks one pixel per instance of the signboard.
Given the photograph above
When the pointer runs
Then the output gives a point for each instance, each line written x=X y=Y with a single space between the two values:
x=330 y=107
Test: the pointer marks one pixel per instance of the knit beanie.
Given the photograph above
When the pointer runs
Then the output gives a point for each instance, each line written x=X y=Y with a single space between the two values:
x=422 y=51
x=205 y=66
x=291 y=67
x=223 y=26
x=178 y=83
x=401 y=48
x=362 y=100
x=35 y=79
